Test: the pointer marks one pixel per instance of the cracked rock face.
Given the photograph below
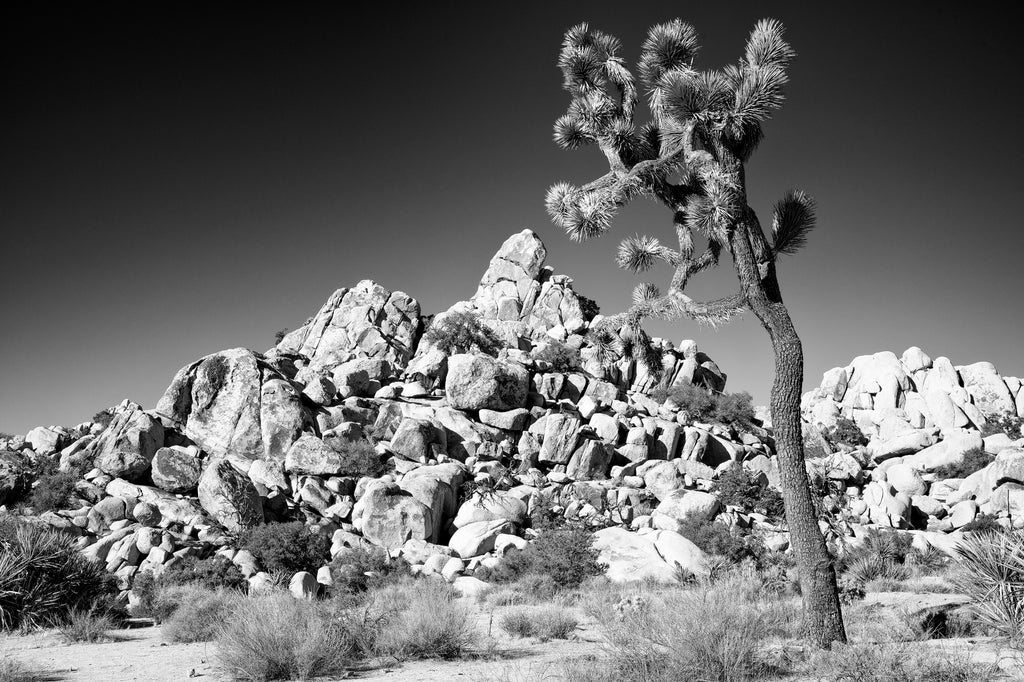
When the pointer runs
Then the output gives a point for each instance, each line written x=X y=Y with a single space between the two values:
x=366 y=321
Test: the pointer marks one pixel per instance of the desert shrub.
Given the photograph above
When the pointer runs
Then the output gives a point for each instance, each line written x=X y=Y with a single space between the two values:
x=867 y=569
x=542 y=622
x=430 y=623
x=982 y=523
x=739 y=487
x=588 y=307
x=279 y=335
x=973 y=460
x=278 y=637
x=197 y=614
x=287 y=547
x=462 y=332
x=355 y=570
x=360 y=458
x=1010 y=424
x=991 y=571
x=567 y=556
x=712 y=632
x=210 y=573
x=734 y=408
x=716 y=539
x=87 y=626
x=53 y=492
x=888 y=662
x=561 y=357
x=846 y=432
x=43 y=576
x=888 y=545
x=103 y=417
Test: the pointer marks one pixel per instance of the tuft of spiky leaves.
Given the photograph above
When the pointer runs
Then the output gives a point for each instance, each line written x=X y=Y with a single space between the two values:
x=606 y=344
x=643 y=292
x=757 y=95
x=591 y=218
x=640 y=253
x=694 y=95
x=672 y=45
x=794 y=217
x=560 y=202
x=991 y=572
x=766 y=46
x=570 y=133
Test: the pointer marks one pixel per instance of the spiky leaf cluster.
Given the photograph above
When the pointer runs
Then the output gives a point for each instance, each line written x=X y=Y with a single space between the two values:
x=793 y=219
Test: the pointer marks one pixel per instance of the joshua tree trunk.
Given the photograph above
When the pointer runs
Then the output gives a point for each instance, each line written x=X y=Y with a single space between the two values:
x=822 y=612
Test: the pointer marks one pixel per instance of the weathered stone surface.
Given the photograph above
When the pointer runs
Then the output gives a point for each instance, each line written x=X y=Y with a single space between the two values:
x=389 y=516
x=43 y=441
x=229 y=497
x=631 y=557
x=127 y=446
x=591 y=461
x=561 y=434
x=417 y=439
x=477 y=382
x=681 y=504
x=15 y=477
x=176 y=469
x=281 y=418
x=478 y=538
x=509 y=420
x=677 y=550
x=495 y=506
x=437 y=496
x=906 y=480
x=310 y=455
x=987 y=388
x=662 y=478
x=950 y=450
x=366 y=321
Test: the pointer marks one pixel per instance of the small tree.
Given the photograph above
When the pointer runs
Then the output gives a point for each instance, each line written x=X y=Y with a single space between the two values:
x=691 y=157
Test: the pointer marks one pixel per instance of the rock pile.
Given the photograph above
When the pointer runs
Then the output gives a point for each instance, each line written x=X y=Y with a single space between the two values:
x=357 y=425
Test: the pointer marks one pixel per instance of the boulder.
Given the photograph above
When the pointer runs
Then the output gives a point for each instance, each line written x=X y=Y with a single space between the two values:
x=418 y=439
x=561 y=433
x=281 y=417
x=987 y=388
x=311 y=456
x=950 y=450
x=176 y=469
x=679 y=505
x=677 y=550
x=906 y=480
x=591 y=461
x=389 y=516
x=127 y=446
x=509 y=420
x=630 y=557
x=662 y=478
x=366 y=321
x=477 y=382
x=43 y=441
x=478 y=538
x=490 y=507
x=229 y=496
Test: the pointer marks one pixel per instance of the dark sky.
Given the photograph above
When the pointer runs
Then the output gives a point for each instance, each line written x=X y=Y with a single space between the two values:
x=179 y=179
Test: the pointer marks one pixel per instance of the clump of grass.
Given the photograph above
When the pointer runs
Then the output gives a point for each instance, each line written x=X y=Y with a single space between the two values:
x=543 y=622
x=429 y=622
x=197 y=614
x=973 y=460
x=277 y=637
x=887 y=662
x=87 y=627
x=462 y=332
x=16 y=671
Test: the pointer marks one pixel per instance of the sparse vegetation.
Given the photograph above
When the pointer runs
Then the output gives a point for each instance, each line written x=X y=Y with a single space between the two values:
x=44 y=578
x=702 y=404
x=845 y=432
x=561 y=357
x=287 y=547
x=982 y=523
x=543 y=622
x=462 y=332
x=973 y=460
x=716 y=539
x=196 y=614
x=53 y=491
x=1010 y=424
x=15 y=671
x=279 y=335
x=87 y=626
x=356 y=570
x=892 y=662
x=739 y=487
x=566 y=555
x=429 y=622
x=360 y=458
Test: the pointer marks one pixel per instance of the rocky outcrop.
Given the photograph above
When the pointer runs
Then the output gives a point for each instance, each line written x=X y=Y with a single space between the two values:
x=229 y=497
x=127 y=446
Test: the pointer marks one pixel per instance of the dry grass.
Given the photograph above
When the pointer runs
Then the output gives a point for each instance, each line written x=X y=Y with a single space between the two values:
x=200 y=614
x=15 y=671
x=864 y=662
x=427 y=622
x=87 y=627
x=277 y=637
x=543 y=622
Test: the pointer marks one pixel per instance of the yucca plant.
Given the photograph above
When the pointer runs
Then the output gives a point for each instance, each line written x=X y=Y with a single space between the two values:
x=690 y=156
x=43 y=578
x=991 y=572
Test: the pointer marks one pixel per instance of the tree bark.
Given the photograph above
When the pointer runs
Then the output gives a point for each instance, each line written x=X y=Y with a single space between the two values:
x=823 y=620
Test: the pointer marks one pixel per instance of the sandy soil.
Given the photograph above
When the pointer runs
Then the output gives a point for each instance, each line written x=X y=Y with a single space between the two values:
x=142 y=654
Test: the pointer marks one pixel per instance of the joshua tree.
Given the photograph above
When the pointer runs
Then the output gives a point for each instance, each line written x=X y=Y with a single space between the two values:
x=690 y=156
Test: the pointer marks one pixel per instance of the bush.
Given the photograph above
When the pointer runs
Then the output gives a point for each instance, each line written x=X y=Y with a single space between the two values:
x=887 y=662
x=991 y=572
x=542 y=622
x=197 y=614
x=887 y=545
x=103 y=417
x=740 y=488
x=1010 y=424
x=982 y=523
x=360 y=458
x=43 y=576
x=735 y=409
x=356 y=570
x=53 y=491
x=561 y=357
x=214 y=572
x=713 y=632
x=462 y=332
x=278 y=637
x=431 y=623
x=588 y=307
x=87 y=626
x=846 y=432
x=974 y=460
x=14 y=671
x=716 y=539
x=287 y=547
x=565 y=555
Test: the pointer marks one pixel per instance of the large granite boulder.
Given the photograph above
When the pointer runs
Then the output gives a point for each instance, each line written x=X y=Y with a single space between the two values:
x=366 y=321
x=177 y=469
x=127 y=446
x=229 y=496
x=220 y=403
x=477 y=382
x=387 y=515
